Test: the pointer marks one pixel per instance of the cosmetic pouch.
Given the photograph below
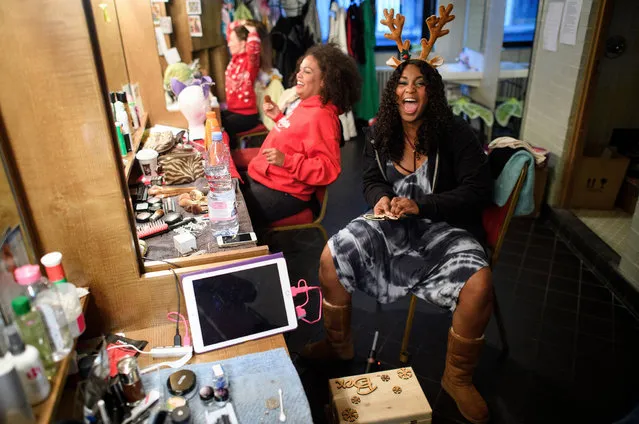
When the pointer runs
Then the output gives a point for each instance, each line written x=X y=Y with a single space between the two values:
x=181 y=166
x=161 y=142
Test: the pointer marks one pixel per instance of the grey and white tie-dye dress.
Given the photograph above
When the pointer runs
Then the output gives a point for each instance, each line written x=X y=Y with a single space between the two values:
x=388 y=259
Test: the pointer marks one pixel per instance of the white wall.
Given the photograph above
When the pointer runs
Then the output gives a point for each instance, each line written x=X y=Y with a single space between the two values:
x=554 y=86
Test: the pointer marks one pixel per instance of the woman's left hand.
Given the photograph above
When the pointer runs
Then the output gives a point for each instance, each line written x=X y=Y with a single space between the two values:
x=403 y=206
x=274 y=156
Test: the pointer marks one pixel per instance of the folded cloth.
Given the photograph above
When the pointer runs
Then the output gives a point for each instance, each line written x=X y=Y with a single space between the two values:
x=253 y=379
x=500 y=142
x=505 y=183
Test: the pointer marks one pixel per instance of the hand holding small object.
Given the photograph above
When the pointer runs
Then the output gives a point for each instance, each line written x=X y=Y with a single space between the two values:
x=403 y=206
x=270 y=108
x=274 y=156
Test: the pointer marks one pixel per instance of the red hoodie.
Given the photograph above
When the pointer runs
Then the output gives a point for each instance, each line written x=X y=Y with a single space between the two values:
x=241 y=74
x=309 y=139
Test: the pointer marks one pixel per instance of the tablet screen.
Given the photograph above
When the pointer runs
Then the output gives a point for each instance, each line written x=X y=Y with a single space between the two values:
x=239 y=304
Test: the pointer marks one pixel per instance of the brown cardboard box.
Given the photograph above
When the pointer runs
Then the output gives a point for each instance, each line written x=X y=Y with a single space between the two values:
x=389 y=397
x=628 y=195
x=597 y=182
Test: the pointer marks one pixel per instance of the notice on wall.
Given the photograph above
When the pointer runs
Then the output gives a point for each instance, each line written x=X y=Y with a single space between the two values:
x=195 y=26
x=166 y=25
x=193 y=7
x=570 y=22
x=172 y=56
x=551 y=25
x=159 y=38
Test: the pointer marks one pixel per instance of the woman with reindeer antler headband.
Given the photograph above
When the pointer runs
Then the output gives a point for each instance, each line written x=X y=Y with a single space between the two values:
x=427 y=179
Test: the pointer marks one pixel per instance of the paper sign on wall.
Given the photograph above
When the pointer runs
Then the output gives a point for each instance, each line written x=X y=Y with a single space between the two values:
x=166 y=25
x=159 y=38
x=195 y=26
x=172 y=56
x=570 y=22
x=193 y=7
x=551 y=25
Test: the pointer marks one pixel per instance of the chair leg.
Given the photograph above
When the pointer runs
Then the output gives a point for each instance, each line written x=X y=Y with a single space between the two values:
x=505 y=349
x=403 y=354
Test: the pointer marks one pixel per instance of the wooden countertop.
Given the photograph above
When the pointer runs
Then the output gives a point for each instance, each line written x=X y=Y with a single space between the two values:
x=163 y=336
x=44 y=412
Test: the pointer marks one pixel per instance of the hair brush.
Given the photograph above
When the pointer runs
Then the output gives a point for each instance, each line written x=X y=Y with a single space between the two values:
x=159 y=227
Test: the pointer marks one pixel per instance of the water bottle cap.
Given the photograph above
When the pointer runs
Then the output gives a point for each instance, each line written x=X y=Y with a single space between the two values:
x=51 y=259
x=27 y=274
x=21 y=305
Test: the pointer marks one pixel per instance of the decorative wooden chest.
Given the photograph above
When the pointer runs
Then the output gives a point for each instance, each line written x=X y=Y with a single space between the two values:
x=390 y=397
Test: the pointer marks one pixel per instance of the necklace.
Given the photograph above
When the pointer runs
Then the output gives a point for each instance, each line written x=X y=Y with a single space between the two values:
x=416 y=156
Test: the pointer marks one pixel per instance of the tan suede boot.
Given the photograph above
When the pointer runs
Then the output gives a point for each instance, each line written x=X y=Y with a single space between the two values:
x=338 y=344
x=461 y=359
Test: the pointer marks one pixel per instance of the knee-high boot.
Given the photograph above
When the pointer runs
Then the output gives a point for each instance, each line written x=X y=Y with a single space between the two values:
x=462 y=357
x=338 y=343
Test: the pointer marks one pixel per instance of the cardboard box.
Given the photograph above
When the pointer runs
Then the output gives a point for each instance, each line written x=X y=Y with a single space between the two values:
x=597 y=182
x=389 y=397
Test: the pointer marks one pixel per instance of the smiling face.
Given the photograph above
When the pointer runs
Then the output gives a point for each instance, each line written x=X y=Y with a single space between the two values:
x=235 y=44
x=309 y=78
x=411 y=94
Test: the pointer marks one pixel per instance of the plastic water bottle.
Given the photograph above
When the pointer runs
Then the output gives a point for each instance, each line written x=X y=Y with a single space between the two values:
x=221 y=197
x=48 y=302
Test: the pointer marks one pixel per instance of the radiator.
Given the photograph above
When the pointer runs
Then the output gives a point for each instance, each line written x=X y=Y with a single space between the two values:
x=383 y=74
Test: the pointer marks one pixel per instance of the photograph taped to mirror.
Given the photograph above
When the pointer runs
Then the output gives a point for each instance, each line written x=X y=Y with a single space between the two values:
x=247 y=301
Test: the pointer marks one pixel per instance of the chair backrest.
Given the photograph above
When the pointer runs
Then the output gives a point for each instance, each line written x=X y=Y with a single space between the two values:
x=321 y=194
x=496 y=219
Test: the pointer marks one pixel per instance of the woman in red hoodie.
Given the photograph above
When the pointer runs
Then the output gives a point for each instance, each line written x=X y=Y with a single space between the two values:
x=246 y=49
x=302 y=152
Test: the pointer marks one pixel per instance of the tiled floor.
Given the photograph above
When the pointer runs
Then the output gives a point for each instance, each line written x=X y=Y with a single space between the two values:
x=612 y=226
x=574 y=347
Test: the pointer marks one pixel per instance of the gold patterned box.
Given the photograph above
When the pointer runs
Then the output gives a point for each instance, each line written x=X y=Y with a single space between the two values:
x=390 y=397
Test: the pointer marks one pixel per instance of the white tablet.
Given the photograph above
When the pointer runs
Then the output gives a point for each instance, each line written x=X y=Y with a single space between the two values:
x=242 y=301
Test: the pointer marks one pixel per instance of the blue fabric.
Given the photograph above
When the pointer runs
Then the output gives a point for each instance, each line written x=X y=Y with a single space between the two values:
x=505 y=183
x=253 y=379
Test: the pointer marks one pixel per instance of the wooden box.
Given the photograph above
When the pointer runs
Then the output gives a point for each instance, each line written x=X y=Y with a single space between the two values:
x=392 y=397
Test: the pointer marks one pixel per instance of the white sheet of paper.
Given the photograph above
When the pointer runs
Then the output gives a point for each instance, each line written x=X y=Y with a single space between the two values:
x=570 y=22
x=159 y=37
x=172 y=56
x=551 y=25
x=166 y=25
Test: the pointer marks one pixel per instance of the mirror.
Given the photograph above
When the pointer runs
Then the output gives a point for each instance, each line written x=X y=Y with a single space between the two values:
x=139 y=40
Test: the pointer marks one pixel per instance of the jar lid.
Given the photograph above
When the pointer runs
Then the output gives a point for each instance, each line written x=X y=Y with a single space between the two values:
x=146 y=154
x=206 y=393
x=181 y=415
x=27 y=274
x=181 y=382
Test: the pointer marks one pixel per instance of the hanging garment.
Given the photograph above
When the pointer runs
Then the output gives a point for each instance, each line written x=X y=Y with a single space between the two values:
x=355 y=32
x=290 y=40
x=311 y=21
x=337 y=35
x=268 y=84
x=292 y=8
x=242 y=12
x=368 y=105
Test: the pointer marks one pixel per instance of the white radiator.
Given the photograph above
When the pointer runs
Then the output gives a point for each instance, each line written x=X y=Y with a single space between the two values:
x=383 y=74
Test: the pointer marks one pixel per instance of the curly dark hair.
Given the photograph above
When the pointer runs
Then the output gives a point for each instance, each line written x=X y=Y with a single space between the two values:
x=437 y=114
x=266 y=52
x=342 y=82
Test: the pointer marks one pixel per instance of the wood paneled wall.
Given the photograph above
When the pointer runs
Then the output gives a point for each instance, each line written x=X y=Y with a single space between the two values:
x=143 y=61
x=54 y=115
x=108 y=32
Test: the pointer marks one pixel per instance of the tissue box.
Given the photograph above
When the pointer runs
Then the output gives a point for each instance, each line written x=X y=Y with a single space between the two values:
x=184 y=243
x=392 y=396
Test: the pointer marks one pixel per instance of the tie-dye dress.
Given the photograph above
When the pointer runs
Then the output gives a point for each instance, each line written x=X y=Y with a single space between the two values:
x=388 y=259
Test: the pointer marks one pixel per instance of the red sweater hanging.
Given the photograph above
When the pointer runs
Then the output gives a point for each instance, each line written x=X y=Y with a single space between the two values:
x=309 y=139
x=241 y=74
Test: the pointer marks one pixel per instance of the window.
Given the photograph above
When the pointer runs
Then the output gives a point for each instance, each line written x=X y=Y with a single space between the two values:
x=413 y=11
x=520 y=20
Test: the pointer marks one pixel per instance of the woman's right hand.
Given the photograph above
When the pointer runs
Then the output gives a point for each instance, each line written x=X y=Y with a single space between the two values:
x=270 y=109
x=383 y=206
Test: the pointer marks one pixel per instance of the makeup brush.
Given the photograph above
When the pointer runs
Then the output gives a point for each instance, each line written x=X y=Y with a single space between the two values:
x=159 y=227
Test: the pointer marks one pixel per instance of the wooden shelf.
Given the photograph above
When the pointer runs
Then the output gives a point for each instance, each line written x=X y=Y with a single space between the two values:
x=45 y=411
x=135 y=145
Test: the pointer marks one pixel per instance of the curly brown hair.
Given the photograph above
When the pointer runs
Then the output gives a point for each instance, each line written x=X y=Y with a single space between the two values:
x=437 y=115
x=342 y=82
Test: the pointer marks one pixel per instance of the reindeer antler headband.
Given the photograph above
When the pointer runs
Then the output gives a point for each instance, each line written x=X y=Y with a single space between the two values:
x=435 y=28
